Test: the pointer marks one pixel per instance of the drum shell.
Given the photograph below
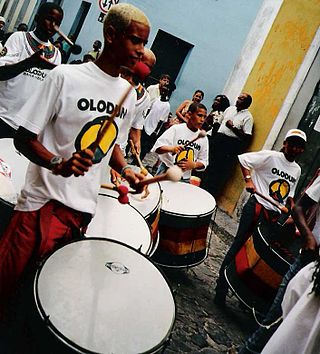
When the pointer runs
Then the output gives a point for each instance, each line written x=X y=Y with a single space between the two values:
x=50 y=340
x=258 y=268
x=184 y=238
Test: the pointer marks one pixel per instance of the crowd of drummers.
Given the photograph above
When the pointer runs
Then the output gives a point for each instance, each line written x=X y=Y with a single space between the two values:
x=72 y=120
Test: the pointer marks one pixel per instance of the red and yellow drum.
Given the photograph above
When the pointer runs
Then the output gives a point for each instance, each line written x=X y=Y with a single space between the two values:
x=185 y=216
x=259 y=266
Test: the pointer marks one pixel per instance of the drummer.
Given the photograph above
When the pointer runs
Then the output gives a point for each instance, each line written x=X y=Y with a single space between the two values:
x=52 y=209
x=174 y=146
x=273 y=174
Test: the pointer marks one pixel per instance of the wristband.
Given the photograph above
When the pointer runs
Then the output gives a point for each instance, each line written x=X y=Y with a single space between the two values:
x=124 y=169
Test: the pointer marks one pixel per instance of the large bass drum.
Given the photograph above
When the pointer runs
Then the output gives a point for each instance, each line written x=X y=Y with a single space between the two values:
x=258 y=268
x=101 y=296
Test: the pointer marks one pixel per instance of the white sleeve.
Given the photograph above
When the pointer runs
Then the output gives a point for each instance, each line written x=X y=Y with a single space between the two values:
x=42 y=105
x=165 y=114
x=12 y=50
x=314 y=190
x=248 y=124
x=166 y=139
x=253 y=160
x=203 y=156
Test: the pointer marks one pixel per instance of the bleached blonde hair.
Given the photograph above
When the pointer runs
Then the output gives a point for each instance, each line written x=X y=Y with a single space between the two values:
x=149 y=57
x=121 y=15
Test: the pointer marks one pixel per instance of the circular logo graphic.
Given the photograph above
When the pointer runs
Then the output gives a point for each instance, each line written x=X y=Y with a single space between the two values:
x=279 y=190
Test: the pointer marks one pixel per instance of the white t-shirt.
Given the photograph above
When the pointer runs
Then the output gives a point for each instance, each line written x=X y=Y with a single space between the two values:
x=314 y=193
x=241 y=120
x=16 y=91
x=159 y=112
x=154 y=92
x=67 y=112
x=273 y=175
x=299 y=331
x=180 y=134
x=142 y=106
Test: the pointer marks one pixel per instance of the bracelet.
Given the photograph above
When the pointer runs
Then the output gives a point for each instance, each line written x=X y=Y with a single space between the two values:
x=123 y=170
x=247 y=177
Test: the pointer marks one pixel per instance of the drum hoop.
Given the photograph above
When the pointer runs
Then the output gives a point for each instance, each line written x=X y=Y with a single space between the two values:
x=61 y=336
x=149 y=227
x=6 y=202
x=269 y=247
x=193 y=216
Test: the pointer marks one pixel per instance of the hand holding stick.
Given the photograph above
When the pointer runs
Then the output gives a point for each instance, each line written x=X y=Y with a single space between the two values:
x=143 y=170
x=281 y=207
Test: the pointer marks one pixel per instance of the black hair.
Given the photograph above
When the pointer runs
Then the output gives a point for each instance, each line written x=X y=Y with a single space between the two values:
x=202 y=93
x=98 y=42
x=224 y=102
x=165 y=76
x=195 y=106
x=296 y=141
x=47 y=7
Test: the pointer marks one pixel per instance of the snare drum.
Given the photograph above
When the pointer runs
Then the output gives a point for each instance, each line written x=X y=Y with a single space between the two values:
x=101 y=296
x=149 y=207
x=185 y=216
x=258 y=268
x=120 y=222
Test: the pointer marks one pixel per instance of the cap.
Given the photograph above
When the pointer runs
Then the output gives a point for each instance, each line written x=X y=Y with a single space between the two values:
x=296 y=132
x=2 y=19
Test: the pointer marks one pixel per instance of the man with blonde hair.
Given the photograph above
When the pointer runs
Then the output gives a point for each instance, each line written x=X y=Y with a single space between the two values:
x=60 y=125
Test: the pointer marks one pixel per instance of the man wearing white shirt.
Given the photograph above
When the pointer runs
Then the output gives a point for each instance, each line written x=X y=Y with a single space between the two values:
x=233 y=135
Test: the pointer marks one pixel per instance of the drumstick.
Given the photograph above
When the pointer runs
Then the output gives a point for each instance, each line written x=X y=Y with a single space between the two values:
x=173 y=174
x=281 y=207
x=107 y=123
x=143 y=170
x=202 y=134
x=75 y=49
x=138 y=70
x=121 y=189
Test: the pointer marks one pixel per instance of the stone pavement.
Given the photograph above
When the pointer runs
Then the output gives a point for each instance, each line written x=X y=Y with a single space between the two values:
x=201 y=326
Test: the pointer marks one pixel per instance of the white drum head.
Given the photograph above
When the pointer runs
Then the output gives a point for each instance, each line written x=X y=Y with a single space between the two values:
x=105 y=297
x=120 y=222
x=186 y=199
x=145 y=205
x=17 y=162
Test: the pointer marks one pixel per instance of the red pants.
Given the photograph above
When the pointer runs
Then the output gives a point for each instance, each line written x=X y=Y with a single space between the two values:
x=29 y=237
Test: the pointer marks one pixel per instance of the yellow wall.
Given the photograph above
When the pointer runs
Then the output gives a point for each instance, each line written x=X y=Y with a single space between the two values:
x=272 y=75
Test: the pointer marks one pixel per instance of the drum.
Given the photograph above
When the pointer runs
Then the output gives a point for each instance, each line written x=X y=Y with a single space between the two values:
x=185 y=216
x=258 y=268
x=120 y=222
x=17 y=163
x=149 y=207
x=101 y=296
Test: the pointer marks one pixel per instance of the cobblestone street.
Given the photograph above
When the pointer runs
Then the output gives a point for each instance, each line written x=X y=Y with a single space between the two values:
x=201 y=326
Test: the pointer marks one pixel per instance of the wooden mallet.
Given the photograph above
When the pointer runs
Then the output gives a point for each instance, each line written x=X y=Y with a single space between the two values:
x=143 y=170
x=121 y=189
x=281 y=207
x=173 y=174
x=75 y=48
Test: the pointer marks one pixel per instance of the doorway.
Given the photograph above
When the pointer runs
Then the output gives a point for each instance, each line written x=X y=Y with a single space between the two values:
x=171 y=53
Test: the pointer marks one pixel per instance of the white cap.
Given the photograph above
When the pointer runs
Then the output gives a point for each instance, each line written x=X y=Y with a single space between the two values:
x=2 y=19
x=296 y=132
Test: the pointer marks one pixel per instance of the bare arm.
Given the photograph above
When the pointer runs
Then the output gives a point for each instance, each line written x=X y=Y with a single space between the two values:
x=176 y=149
x=250 y=187
x=299 y=212
x=135 y=136
x=28 y=144
x=8 y=72
x=180 y=109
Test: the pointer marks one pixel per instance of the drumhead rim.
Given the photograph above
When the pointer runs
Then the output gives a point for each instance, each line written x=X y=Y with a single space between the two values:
x=191 y=216
x=46 y=318
x=149 y=226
